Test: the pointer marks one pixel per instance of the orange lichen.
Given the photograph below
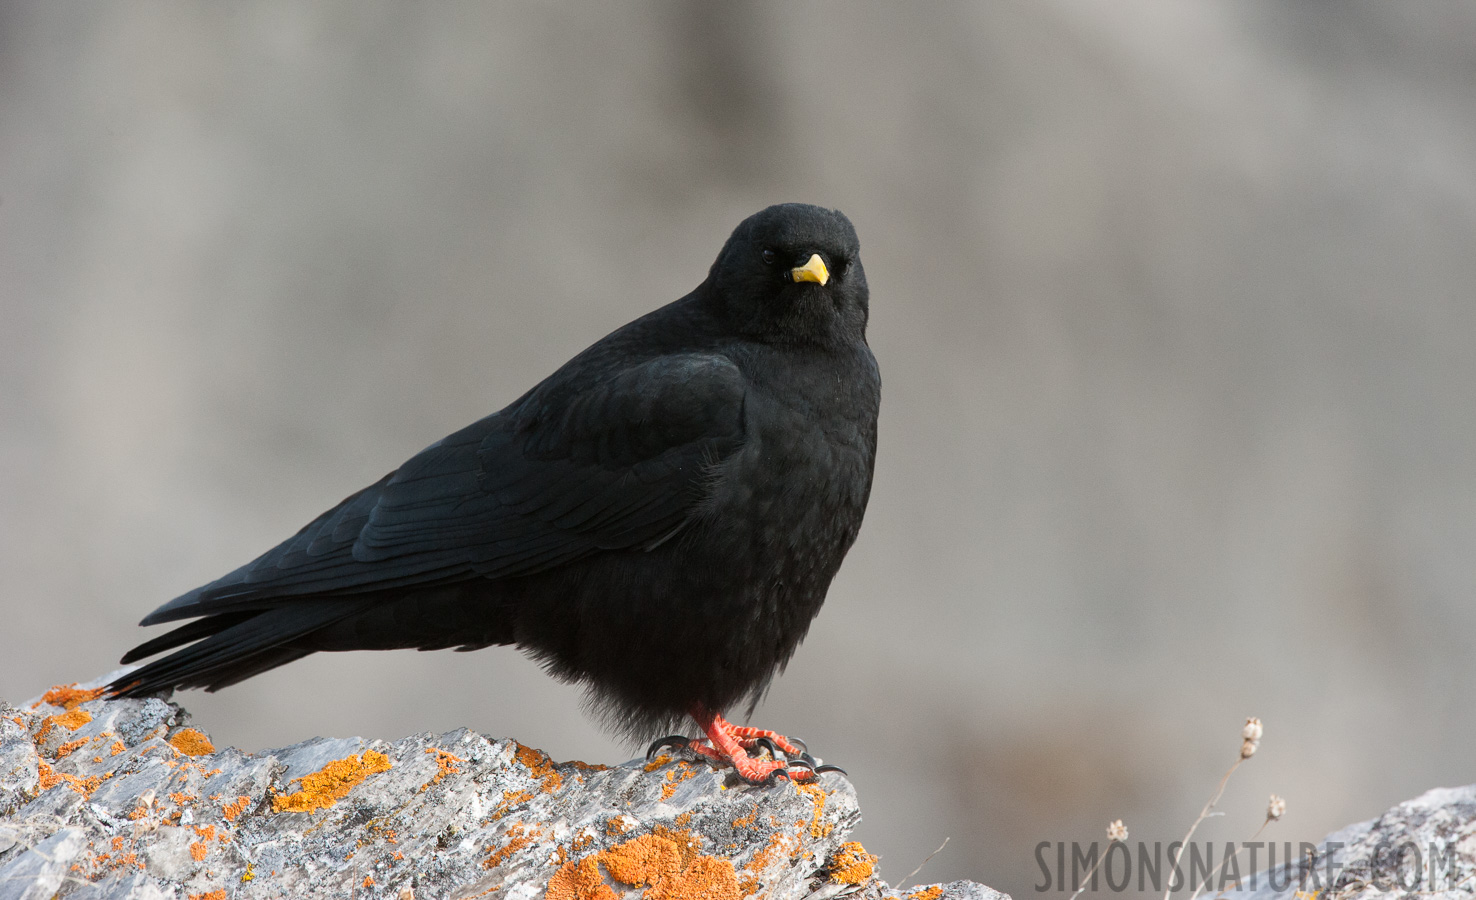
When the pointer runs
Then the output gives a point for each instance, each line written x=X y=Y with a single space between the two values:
x=368 y=881
x=666 y=863
x=69 y=746
x=92 y=866
x=180 y=798
x=68 y=720
x=217 y=894
x=851 y=864
x=191 y=742
x=232 y=810
x=927 y=893
x=685 y=818
x=205 y=832
x=657 y=763
x=198 y=850
x=445 y=765
x=586 y=767
x=746 y=821
x=116 y=748
x=74 y=719
x=50 y=778
x=331 y=783
x=581 y=842
x=779 y=844
x=509 y=800
x=641 y=860
x=817 y=796
x=676 y=776
x=518 y=838
x=540 y=767
x=617 y=826
x=686 y=842
x=579 y=881
x=68 y=696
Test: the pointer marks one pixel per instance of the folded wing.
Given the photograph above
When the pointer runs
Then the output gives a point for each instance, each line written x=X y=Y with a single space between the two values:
x=577 y=467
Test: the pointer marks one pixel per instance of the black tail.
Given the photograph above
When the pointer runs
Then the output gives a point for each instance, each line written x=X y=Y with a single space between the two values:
x=234 y=645
x=231 y=647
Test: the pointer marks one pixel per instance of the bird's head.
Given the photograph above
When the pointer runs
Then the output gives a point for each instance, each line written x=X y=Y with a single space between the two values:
x=792 y=273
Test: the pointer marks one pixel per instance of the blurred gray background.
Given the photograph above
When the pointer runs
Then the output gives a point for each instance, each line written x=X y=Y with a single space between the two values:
x=1173 y=303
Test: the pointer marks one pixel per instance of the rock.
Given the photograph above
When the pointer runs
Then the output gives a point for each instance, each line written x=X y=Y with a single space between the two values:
x=127 y=800
x=1423 y=847
x=38 y=874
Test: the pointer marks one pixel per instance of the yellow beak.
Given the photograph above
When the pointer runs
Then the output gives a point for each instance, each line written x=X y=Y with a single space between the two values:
x=814 y=270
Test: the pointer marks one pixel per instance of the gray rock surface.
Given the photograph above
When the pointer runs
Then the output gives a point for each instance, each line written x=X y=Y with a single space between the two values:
x=1424 y=847
x=126 y=800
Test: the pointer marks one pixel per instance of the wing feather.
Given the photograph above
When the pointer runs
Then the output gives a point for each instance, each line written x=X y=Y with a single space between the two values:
x=580 y=465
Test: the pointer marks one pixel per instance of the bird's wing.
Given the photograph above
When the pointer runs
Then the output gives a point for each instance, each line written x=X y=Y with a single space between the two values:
x=620 y=463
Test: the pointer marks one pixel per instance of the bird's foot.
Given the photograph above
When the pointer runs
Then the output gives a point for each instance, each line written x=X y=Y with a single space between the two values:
x=760 y=756
x=753 y=737
x=794 y=749
x=674 y=741
x=766 y=742
x=732 y=744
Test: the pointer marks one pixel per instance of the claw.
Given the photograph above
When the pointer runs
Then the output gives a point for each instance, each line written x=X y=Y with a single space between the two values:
x=761 y=757
x=678 y=741
x=820 y=770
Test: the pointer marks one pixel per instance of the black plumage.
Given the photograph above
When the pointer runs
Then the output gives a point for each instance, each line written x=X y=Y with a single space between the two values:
x=659 y=519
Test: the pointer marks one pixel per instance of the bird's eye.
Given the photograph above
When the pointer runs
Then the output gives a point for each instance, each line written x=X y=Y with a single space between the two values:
x=769 y=257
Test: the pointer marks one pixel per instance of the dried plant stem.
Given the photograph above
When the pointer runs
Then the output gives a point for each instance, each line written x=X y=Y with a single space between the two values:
x=1086 y=879
x=1203 y=814
x=923 y=863
x=1236 y=855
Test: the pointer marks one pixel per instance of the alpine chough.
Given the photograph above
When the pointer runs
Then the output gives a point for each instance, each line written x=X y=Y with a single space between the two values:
x=658 y=520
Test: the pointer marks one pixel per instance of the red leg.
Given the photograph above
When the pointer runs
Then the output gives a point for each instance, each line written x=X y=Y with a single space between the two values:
x=727 y=746
x=701 y=749
x=750 y=737
x=703 y=746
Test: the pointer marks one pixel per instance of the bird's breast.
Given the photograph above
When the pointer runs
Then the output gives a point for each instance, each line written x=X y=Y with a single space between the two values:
x=789 y=503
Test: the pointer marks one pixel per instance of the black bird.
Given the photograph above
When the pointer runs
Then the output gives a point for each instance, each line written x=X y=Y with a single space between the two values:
x=659 y=519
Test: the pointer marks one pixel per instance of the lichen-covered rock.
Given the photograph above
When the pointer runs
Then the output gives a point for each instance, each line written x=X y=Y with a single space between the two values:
x=126 y=800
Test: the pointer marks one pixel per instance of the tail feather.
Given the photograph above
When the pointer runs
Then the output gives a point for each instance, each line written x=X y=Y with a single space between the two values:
x=230 y=647
x=251 y=666
x=200 y=628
